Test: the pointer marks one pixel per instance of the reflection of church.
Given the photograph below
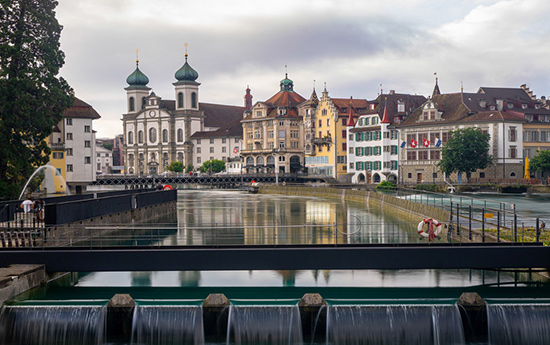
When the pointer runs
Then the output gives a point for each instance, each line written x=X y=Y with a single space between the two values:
x=157 y=132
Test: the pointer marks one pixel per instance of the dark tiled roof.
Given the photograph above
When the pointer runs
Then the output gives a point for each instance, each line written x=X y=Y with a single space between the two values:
x=215 y=115
x=233 y=129
x=391 y=100
x=286 y=99
x=81 y=109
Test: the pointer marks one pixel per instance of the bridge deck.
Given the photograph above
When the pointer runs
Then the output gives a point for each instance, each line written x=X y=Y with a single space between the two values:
x=294 y=257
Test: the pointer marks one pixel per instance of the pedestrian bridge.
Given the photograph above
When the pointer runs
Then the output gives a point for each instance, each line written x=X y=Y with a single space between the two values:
x=283 y=257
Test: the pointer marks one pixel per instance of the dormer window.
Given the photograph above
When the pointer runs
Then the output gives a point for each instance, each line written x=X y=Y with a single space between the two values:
x=258 y=113
x=492 y=107
x=510 y=105
x=537 y=106
x=400 y=107
x=524 y=106
x=281 y=111
x=529 y=118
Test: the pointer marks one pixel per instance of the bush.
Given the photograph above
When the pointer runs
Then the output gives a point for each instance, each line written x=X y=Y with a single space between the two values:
x=428 y=187
x=385 y=185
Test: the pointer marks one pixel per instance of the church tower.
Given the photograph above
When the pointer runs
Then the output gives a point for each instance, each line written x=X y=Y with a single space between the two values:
x=248 y=99
x=186 y=88
x=137 y=90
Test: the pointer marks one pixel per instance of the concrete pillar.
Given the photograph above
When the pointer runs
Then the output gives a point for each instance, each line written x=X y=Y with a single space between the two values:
x=215 y=316
x=120 y=314
x=473 y=311
x=313 y=313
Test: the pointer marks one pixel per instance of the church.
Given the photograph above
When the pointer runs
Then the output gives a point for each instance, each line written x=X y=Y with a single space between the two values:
x=158 y=132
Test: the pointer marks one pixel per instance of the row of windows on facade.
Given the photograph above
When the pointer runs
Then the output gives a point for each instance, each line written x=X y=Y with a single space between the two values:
x=373 y=150
x=444 y=136
x=132 y=106
x=271 y=145
x=87 y=143
x=376 y=165
x=269 y=160
x=153 y=137
x=87 y=128
x=272 y=123
x=224 y=149
x=374 y=135
x=257 y=134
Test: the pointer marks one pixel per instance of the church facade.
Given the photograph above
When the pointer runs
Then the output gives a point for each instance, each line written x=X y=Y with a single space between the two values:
x=157 y=132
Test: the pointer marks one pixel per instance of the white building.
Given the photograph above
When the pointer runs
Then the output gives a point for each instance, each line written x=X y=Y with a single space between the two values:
x=73 y=146
x=157 y=132
x=104 y=160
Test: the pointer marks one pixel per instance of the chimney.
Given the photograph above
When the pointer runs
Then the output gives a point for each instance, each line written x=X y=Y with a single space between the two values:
x=482 y=102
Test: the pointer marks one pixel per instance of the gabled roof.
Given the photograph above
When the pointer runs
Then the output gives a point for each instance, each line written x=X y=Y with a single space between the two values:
x=81 y=109
x=391 y=101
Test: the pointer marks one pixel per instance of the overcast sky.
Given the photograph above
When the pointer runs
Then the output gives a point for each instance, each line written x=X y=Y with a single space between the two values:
x=353 y=46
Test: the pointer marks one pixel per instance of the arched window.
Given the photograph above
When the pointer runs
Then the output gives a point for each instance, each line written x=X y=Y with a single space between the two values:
x=143 y=101
x=194 y=100
x=152 y=135
x=260 y=161
x=130 y=138
x=164 y=135
x=180 y=135
x=250 y=161
x=180 y=156
x=180 y=100
x=140 y=137
x=131 y=105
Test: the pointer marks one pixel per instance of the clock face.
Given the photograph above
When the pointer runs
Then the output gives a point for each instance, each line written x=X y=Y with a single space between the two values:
x=152 y=113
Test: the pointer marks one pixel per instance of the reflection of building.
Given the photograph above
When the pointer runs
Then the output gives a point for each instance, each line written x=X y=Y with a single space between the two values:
x=157 y=132
x=273 y=133
x=73 y=146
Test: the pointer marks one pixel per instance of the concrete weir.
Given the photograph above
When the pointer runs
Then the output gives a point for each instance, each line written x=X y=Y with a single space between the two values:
x=313 y=314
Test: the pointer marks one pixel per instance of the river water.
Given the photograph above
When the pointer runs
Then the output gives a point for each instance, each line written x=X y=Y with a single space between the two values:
x=243 y=218
x=363 y=306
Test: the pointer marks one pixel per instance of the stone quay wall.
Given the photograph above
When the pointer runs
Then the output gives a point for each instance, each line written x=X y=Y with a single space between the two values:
x=405 y=209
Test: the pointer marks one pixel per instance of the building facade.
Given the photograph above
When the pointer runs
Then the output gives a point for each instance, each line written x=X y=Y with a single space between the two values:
x=429 y=127
x=326 y=136
x=158 y=132
x=273 y=133
x=373 y=140
x=103 y=160
x=73 y=147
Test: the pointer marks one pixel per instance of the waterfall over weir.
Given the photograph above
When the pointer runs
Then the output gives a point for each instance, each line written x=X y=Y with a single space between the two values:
x=167 y=325
x=260 y=324
x=394 y=324
x=53 y=325
x=511 y=324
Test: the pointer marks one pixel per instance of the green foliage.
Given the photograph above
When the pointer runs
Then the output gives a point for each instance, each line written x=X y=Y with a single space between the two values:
x=385 y=185
x=32 y=96
x=108 y=146
x=175 y=167
x=189 y=168
x=541 y=162
x=214 y=166
x=428 y=187
x=467 y=150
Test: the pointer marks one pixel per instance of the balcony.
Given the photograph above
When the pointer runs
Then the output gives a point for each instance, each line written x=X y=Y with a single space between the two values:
x=322 y=141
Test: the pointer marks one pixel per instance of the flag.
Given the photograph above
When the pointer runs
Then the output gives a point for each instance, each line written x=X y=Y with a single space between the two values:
x=403 y=144
x=414 y=143
x=437 y=142
x=426 y=142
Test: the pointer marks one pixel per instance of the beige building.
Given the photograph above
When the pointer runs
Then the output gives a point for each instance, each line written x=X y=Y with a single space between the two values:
x=273 y=133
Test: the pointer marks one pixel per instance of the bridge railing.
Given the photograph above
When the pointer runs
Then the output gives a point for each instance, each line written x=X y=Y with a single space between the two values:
x=214 y=235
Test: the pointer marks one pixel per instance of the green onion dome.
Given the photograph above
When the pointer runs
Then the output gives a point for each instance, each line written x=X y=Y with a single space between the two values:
x=186 y=73
x=137 y=78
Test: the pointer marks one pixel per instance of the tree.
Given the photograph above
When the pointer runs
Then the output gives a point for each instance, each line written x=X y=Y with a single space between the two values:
x=466 y=151
x=189 y=168
x=541 y=162
x=175 y=167
x=108 y=146
x=32 y=96
x=214 y=166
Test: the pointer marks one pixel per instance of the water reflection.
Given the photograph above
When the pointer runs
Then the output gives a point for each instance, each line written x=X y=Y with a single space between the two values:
x=229 y=217
x=216 y=217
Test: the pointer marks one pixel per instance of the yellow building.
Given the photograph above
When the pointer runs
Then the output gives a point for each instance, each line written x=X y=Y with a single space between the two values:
x=54 y=181
x=326 y=144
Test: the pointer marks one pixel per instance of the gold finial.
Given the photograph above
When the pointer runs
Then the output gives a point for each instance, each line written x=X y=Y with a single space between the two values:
x=137 y=56
x=185 y=45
